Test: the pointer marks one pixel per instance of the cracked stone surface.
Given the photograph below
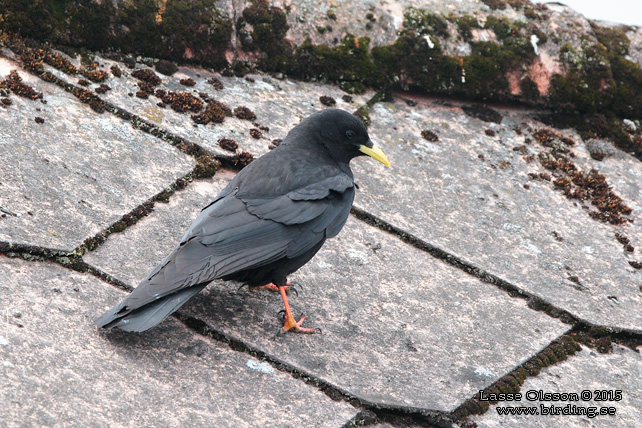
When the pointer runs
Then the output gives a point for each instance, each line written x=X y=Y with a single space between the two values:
x=57 y=370
x=587 y=371
x=78 y=172
x=465 y=194
x=388 y=328
x=296 y=100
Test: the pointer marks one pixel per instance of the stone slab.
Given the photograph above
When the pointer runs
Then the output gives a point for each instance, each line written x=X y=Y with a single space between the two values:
x=163 y=229
x=585 y=371
x=78 y=172
x=465 y=194
x=278 y=104
x=56 y=369
x=400 y=328
x=625 y=176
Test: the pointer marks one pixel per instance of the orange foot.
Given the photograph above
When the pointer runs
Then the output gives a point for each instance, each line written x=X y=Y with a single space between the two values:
x=289 y=323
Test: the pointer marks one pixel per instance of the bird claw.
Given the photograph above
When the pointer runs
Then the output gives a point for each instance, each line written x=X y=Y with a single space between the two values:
x=297 y=283
x=279 y=332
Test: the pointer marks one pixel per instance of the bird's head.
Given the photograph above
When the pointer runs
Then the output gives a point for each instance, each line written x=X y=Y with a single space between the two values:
x=343 y=135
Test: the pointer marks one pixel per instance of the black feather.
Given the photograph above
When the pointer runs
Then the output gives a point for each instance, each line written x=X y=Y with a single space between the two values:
x=270 y=220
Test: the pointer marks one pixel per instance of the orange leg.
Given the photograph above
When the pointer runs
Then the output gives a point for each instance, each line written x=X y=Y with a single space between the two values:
x=289 y=323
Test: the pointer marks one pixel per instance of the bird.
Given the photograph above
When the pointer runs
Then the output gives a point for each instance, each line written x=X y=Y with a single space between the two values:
x=270 y=220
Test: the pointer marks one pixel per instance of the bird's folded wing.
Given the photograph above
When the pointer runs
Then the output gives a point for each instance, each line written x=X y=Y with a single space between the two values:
x=302 y=204
x=231 y=235
x=322 y=188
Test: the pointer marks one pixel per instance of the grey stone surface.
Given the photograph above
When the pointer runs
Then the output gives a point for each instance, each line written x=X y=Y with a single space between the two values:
x=162 y=230
x=465 y=194
x=56 y=369
x=586 y=371
x=295 y=101
x=625 y=176
x=400 y=328
x=78 y=172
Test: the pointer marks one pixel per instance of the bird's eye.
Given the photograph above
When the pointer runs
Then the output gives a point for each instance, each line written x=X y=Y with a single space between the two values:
x=350 y=133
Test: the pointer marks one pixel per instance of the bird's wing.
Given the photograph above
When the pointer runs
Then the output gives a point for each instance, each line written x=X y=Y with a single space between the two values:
x=300 y=205
x=228 y=236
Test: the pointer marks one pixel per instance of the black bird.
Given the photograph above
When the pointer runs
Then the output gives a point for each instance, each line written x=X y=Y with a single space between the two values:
x=270 y=220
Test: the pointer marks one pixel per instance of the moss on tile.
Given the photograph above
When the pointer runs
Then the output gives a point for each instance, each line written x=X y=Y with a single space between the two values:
x=465 y=24
x=597 y=77
x=262 y=27
x=185 y=30
x=425 y=22
x=348 y=62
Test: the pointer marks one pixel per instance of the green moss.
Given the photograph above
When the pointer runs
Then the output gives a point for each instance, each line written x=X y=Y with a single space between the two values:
x=352 y=87
x=488 y=64
x=598 y=77
x=425 y=22
x=349 y=61
x=598 y=80
x=495 y=4
x=117 y=227
x=363 y=113
x=626 y=74
x=501 y=26
x=182 y=29
x=78 y=22
x=32 y=19
x=465 y=24
x=411 y=58
x=195 y=29
x=529 y=89
x=614 y=39
x=331 y=13
x=485 y=75
x=269 y=25
x=139 y=32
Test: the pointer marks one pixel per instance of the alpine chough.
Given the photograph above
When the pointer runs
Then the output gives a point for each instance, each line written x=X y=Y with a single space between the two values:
x=270 y=220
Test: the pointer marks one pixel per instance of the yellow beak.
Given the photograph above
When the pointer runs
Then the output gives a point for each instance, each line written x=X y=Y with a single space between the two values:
x=375 y=153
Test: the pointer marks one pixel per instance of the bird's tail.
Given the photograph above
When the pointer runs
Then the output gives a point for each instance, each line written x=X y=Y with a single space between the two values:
x=148 y=315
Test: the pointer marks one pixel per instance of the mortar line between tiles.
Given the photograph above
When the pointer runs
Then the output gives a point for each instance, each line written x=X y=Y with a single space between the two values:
x=334 y=392
x=556 y=351
x=132 y=217
x=199 y=327
x=176 y=141
x=182 y=144
x=534 y=302
x=71 y=258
